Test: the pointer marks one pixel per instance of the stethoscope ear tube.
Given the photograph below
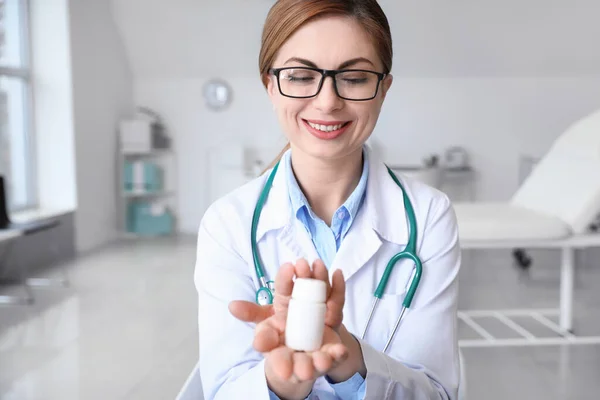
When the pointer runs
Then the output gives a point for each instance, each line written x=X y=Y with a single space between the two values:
x=414 y=284
x=260 y=273
x=410 y=252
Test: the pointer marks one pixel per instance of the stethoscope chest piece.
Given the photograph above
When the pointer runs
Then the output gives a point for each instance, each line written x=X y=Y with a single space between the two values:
x=264 y=295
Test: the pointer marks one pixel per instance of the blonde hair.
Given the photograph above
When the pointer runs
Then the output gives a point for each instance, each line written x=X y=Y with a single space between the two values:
x=287 y=16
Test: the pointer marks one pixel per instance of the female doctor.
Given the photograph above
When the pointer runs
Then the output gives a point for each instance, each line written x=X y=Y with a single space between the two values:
x=329 y=209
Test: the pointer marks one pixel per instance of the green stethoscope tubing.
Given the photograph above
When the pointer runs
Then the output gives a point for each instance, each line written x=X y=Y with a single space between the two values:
x=264 y=285
x=409 y=252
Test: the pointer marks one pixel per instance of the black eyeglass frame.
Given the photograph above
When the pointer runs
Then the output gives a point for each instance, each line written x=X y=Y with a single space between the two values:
x=324 y=74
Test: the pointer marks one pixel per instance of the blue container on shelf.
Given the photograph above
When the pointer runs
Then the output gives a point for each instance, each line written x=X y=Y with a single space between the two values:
x=147 y=219
x=142 y=177
x=153 y=177
x=128 y=176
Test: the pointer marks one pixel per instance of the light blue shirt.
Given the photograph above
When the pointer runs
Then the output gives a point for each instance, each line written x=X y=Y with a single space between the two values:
x=327 y=241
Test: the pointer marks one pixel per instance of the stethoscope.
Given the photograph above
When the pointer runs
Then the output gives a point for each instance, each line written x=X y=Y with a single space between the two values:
x=264 y=295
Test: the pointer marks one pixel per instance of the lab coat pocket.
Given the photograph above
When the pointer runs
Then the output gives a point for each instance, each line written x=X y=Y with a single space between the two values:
x=390 y=304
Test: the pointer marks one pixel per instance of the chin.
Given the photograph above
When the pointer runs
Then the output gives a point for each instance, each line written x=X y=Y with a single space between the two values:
x=326 y=150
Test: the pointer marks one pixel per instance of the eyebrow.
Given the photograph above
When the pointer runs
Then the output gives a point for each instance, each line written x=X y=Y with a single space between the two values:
x=345 y=64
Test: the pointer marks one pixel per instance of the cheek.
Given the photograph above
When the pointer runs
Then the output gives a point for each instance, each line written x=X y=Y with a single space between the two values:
x=368 y=114
x=288 y=110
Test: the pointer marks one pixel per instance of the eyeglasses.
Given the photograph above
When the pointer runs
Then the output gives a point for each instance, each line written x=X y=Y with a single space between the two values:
x=306 y=82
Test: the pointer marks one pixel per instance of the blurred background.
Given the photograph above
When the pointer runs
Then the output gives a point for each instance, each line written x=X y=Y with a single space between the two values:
x=122 y=120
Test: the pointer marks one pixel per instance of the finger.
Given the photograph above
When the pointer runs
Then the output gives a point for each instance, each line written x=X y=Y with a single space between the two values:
x=322 y=362
x=284 y=281
x=337 y=351
x=336 y=300
x=303 y=269
x=266 y=337
x=250 y=312
x=338 y=288
x=280 y=363
x=303 y=366
x=320 y=272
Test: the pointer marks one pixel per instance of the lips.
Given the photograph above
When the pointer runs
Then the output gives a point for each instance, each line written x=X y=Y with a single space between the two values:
x=326 y=130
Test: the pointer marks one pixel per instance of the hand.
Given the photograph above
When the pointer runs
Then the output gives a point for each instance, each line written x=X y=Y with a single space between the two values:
x=353 y=361
x=292 y=374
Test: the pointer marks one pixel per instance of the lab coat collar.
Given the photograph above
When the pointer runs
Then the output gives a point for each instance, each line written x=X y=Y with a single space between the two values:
x=381 y=218
x=277 y=211
x=277 y=214
x=384 y=203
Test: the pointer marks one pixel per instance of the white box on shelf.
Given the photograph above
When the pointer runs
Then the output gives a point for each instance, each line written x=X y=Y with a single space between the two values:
x=135 y=136
x=138 y=177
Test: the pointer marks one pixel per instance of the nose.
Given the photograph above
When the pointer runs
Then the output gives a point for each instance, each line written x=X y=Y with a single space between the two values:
x=327 y=100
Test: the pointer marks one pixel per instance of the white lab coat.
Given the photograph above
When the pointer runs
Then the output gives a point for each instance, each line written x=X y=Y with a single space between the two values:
x=423 y=360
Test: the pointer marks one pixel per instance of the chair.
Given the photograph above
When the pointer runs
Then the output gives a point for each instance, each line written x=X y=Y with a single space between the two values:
x=192 y=388
x=25 y=229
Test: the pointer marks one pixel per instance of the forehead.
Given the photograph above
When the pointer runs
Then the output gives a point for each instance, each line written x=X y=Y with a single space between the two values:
x=328 y=42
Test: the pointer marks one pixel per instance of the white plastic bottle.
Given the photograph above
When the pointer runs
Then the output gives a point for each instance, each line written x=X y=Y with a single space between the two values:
x=306 y=315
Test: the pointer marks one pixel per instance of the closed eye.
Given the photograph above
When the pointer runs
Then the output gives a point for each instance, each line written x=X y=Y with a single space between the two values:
x=300 y=78
x=356 y=81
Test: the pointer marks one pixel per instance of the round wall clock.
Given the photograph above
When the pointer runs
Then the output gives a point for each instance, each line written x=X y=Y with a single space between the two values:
x=218 y=94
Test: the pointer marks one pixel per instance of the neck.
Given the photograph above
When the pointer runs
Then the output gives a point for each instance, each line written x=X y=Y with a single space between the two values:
x=327 y=184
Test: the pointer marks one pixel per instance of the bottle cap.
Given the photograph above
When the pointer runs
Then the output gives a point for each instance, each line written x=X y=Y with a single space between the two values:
x=312 y=290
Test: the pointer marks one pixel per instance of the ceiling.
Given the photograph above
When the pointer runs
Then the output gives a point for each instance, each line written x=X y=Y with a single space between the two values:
x=191 y=38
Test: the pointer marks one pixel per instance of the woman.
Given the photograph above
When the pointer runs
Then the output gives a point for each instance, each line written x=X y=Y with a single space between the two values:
x=333 y=212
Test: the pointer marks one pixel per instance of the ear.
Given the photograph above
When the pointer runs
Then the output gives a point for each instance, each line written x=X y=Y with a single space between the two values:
x=271 y=85
x=386 y=84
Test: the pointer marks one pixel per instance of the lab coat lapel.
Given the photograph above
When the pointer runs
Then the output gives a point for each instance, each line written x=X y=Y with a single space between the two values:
x=381 y=219
x=298 y=242
x=277 y=215
x=359 y=245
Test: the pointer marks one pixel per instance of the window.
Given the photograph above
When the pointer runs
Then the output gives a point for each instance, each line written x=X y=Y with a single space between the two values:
x=16 y=141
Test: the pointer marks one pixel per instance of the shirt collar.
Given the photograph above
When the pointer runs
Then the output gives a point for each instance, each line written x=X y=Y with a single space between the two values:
x=299 y=202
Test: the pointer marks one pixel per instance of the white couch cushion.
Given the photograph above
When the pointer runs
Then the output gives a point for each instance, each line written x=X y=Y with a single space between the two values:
x=566 y=182
x=505 y=222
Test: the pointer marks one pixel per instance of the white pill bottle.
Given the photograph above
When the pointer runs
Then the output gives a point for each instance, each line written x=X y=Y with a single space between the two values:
x=306 y=315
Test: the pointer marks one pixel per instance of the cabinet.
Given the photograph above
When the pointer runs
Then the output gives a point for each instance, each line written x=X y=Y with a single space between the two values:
x=146 y=192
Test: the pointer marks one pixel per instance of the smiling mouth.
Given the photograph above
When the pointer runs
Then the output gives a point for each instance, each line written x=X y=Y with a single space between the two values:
x=327 y=127
x=326 y=130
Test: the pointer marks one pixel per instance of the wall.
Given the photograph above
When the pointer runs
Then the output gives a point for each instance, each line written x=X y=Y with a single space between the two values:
x=102 y=94
x=500 y=79
x=54 y=134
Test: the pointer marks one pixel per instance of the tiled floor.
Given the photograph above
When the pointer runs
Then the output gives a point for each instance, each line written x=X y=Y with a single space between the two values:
x=125 y=329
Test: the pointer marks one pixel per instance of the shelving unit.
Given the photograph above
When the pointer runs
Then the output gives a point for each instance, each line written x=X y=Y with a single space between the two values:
x=166 y=196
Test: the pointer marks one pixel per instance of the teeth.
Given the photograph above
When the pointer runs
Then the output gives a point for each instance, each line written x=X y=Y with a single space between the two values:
x=326 y=128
